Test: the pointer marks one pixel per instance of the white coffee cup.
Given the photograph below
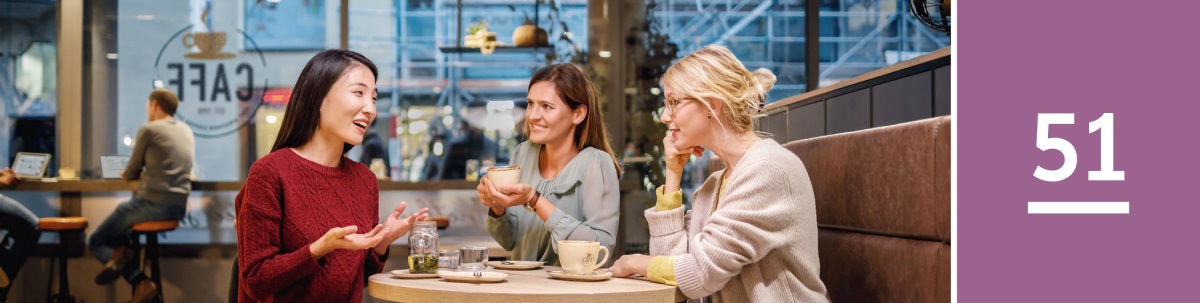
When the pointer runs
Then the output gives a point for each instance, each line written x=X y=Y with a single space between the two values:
x=504 y=175
x=581 y=257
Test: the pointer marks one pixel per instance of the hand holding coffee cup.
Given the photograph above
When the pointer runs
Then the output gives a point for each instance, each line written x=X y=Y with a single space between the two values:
x=487 y=184
x=581 y=257
x=502 y=186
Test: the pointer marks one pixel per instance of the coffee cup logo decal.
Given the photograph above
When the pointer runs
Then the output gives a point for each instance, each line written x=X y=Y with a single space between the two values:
x=219 y=91
x=589 y=258
x=207 y=43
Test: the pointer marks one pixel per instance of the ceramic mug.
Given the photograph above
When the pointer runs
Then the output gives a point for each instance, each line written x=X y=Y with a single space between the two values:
x=504 y=175
x=581 y=257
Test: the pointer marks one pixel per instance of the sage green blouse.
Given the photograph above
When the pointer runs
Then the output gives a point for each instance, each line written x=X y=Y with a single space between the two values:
x=587 y=200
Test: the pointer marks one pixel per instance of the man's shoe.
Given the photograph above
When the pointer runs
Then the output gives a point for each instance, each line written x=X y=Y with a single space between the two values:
x=145 y=291
x=112 y=269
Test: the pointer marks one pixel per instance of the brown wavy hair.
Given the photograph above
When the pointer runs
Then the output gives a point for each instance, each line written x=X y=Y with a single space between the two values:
x=576 y=89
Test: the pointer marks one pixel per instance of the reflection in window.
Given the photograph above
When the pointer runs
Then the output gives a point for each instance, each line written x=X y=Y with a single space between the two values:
x=28 y=83
x=36 y=71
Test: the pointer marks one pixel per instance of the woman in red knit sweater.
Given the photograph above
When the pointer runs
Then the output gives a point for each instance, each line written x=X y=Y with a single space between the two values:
x=307 y=215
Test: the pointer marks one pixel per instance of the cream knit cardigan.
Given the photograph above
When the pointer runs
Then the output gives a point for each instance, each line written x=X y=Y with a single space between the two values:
x=758 y=245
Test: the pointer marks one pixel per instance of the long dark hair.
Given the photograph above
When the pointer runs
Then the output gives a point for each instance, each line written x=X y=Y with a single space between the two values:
x=576 y=89
x=303 y=113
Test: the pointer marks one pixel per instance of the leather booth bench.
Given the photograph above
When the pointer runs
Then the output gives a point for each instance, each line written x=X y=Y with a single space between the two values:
x=883 y=211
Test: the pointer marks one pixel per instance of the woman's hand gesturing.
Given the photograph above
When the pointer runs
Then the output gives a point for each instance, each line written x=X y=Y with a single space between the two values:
x=344 y=238
x=394 y=227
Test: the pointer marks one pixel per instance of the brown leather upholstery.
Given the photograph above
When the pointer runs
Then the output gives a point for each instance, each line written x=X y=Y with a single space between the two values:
x=859 y=267
x=892 y=180
x=883 y=209
x=155 y=226
x=62 y=223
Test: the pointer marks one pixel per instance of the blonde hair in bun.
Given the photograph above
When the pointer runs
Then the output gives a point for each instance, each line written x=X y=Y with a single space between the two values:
x=714 y=74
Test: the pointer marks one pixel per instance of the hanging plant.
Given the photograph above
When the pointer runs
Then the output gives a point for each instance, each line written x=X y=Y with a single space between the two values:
x=651 y=53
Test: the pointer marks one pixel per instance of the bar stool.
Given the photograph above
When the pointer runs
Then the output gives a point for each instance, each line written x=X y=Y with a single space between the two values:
x=151 y=229
x=65 y=226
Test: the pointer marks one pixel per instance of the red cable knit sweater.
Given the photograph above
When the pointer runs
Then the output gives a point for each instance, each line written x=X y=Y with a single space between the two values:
x=287 y=203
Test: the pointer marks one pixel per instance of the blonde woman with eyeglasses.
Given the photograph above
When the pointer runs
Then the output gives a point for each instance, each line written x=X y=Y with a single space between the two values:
x=751 y=235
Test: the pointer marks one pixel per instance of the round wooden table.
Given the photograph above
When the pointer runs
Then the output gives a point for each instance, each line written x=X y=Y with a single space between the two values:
x=521 y=286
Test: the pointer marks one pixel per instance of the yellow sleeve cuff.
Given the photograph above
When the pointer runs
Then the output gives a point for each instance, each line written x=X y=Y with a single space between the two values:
x=668 y=201
x=662 y=270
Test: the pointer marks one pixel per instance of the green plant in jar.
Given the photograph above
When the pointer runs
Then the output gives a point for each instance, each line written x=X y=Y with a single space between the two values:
x=423 y=248
x=422 y=264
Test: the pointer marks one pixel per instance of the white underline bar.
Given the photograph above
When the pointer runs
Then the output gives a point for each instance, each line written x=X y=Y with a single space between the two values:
x=1079 y=207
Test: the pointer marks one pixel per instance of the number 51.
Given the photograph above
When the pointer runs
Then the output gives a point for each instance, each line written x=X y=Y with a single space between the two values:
x=1045 y=142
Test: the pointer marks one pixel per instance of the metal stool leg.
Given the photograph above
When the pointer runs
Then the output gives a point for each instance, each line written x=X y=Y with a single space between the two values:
x=50 y=280
x=137 y=255
x=152 y=253
x=64 y=289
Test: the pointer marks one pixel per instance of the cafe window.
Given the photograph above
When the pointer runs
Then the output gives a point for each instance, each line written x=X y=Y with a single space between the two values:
x=232 y=63
x=446 y=111
x=28 y=82
x=856 y=36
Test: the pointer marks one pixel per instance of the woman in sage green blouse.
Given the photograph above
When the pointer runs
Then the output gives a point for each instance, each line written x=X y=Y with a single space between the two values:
x=568 y=186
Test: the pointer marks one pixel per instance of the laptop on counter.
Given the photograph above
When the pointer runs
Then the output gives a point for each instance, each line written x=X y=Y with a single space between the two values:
x=112 y=165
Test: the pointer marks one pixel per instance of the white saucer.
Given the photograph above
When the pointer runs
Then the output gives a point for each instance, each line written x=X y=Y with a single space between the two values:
x=593 y=276
x=469 y=276
x=405 y=274
x=515 y=264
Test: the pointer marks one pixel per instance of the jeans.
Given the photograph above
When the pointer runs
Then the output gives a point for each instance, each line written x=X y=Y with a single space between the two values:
x=21 y=235
x=115 y=230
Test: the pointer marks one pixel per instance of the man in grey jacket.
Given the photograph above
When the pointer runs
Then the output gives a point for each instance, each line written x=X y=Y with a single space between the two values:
x=162 y=159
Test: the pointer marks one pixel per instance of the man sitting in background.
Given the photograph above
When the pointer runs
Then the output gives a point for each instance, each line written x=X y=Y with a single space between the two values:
x=162 y=159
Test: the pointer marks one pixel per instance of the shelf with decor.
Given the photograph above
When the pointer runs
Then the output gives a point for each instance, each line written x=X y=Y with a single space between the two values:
x=498 y=49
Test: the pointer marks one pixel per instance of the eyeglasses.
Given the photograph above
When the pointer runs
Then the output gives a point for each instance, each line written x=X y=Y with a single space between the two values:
x=671 y=105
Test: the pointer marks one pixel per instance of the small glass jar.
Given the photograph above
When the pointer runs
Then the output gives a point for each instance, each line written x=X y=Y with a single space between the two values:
x=423 y=248
x=448 y=259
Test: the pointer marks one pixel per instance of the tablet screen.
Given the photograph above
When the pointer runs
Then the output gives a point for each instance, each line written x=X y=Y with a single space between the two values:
x=30 y=165
x=111 y=166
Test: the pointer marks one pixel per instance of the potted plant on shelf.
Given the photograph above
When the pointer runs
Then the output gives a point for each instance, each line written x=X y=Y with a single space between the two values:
x=479 y=36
